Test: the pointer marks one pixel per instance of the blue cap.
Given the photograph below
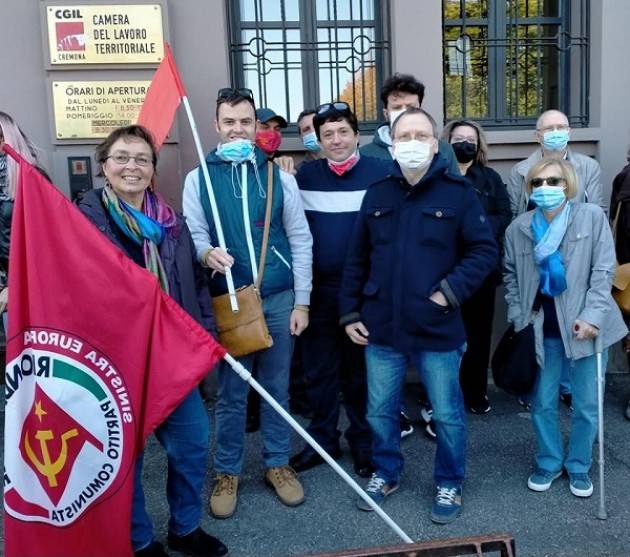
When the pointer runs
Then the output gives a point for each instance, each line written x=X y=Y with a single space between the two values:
x=265 y=114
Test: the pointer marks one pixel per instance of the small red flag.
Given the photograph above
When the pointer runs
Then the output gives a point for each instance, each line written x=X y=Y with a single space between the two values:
x=97 y=357
x=162 y=99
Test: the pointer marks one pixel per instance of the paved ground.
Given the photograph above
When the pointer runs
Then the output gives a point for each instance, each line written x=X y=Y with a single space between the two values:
x=496 y=498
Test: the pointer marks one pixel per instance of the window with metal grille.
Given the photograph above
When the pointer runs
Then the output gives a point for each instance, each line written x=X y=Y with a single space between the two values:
x=506 y=61
x=297 y=54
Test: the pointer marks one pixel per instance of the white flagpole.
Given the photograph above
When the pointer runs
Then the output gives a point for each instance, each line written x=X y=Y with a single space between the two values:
x=213 y=202
x=247 y=376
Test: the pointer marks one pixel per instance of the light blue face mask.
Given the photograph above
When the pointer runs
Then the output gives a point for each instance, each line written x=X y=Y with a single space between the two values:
x=547 y=197
x=310 y=142
x=556 y=140
x=237 y=151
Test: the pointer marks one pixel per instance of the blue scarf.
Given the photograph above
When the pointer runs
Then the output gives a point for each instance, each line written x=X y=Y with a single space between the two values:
x=548 y=237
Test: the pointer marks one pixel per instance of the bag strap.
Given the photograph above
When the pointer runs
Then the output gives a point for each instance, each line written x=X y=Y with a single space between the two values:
x=265 y=238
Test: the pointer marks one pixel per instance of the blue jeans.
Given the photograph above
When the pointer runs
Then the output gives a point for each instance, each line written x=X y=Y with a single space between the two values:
x=272 y=372
x=439 y=371
x=582 y=374
x=185 y=437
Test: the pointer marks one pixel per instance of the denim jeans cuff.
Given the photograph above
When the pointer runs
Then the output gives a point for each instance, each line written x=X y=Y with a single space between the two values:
x=449 y=483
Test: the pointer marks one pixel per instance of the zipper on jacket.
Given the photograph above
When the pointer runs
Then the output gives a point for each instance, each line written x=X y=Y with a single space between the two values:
x=568 y=339
x=280 y=257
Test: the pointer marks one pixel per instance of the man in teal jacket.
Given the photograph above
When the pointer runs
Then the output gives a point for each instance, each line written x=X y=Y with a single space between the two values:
x=238 y=174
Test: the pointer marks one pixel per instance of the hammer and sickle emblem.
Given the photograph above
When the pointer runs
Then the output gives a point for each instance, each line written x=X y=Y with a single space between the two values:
x=46 y=467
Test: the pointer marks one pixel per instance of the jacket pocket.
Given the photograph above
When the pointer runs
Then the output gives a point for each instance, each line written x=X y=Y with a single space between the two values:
x=438 y=226
x=578 y=240
x=280 y=257
x=380 y=224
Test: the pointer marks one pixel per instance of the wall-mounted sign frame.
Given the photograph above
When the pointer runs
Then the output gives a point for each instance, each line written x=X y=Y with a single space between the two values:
x=104 y=34
x=93 y=109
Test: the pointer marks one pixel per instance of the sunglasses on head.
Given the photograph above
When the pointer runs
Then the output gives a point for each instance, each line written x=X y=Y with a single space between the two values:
x=551 y=181
x=339 y=106
x=228 y=92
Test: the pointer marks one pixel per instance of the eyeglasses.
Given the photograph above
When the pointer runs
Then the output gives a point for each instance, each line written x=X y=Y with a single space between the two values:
x=123 y=158
x=228 y=92
x=339 y=106
x=550 y=181
x=546 y=129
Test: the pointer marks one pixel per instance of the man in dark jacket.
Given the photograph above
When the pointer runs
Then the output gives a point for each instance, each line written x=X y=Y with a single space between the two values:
x=399 y=92
x=332 y=189
x=420 y=247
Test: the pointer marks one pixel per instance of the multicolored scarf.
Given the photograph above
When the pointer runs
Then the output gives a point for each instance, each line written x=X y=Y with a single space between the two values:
x=548 y=236
x=147 y=228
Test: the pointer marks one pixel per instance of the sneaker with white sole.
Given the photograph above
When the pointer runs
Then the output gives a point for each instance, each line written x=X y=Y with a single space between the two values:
x=377 y=489
x=447 y=504
x=426 y=413
x=541 y=480
x=406 y=428
x=580 y=485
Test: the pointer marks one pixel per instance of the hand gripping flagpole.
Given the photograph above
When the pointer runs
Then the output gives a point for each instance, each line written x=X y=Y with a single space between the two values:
x=213 y=201
x=247 y=377
x=601 y=511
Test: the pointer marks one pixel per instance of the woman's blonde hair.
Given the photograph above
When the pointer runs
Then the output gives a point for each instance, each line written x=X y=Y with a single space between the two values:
x=14 y=136
x=566 y=169
x=482 y=144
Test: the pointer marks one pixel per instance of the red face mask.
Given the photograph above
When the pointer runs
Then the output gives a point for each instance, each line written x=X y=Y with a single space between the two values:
x=268 y=141
x=340 y=168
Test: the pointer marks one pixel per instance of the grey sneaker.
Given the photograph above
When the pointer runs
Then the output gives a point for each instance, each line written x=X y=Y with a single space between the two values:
x=541 y=480
x=580 y=485
x=377 y=489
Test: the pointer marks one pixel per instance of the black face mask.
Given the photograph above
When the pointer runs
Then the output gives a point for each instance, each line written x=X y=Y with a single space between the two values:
x=465 y=151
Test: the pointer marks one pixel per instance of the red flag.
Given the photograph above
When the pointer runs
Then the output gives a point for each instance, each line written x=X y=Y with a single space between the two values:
x=97 y=357
x=163 y=98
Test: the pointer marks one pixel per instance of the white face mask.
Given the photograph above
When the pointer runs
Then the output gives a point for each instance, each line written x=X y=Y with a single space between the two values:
x=394 y=114
x=413 y=154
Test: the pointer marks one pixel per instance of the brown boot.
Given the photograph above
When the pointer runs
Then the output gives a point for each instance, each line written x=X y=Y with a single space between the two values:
x=223 y=498
x=288 y=488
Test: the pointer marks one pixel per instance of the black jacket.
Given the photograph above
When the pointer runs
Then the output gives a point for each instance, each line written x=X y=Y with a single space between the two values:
x=187 y=280
x=492 y=194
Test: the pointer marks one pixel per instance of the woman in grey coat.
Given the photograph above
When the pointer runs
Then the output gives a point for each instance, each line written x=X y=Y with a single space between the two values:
x=561 y=256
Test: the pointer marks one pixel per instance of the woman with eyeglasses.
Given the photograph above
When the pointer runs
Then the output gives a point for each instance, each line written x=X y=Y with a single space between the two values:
x=10 y=133
x=560 y=258
x=468 y=141
x=139 y=222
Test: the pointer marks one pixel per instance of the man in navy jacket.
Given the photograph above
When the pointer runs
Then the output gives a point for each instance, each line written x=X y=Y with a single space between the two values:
x=421 y=245
x=332 y=189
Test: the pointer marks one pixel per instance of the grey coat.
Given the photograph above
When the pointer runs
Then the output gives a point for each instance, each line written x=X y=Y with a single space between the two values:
x=588 y=254
x=588 y=173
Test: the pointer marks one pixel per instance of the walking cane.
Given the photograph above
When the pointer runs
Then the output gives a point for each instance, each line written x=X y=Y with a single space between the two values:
x=601 y=512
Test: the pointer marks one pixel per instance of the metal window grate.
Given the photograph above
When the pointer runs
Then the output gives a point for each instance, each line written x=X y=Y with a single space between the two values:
x=296 y=54
x=506 y=61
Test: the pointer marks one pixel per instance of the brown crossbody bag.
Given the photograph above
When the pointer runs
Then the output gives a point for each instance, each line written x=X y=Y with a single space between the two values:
x=245 y=331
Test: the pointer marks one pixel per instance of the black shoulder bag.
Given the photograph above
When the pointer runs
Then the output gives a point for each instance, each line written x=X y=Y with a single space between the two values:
x=514 y=365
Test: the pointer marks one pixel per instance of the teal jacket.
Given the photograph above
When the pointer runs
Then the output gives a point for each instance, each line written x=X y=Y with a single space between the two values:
x=227 y=187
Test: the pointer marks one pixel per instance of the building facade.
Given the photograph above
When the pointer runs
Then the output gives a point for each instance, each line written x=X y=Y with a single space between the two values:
x=500 y=62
